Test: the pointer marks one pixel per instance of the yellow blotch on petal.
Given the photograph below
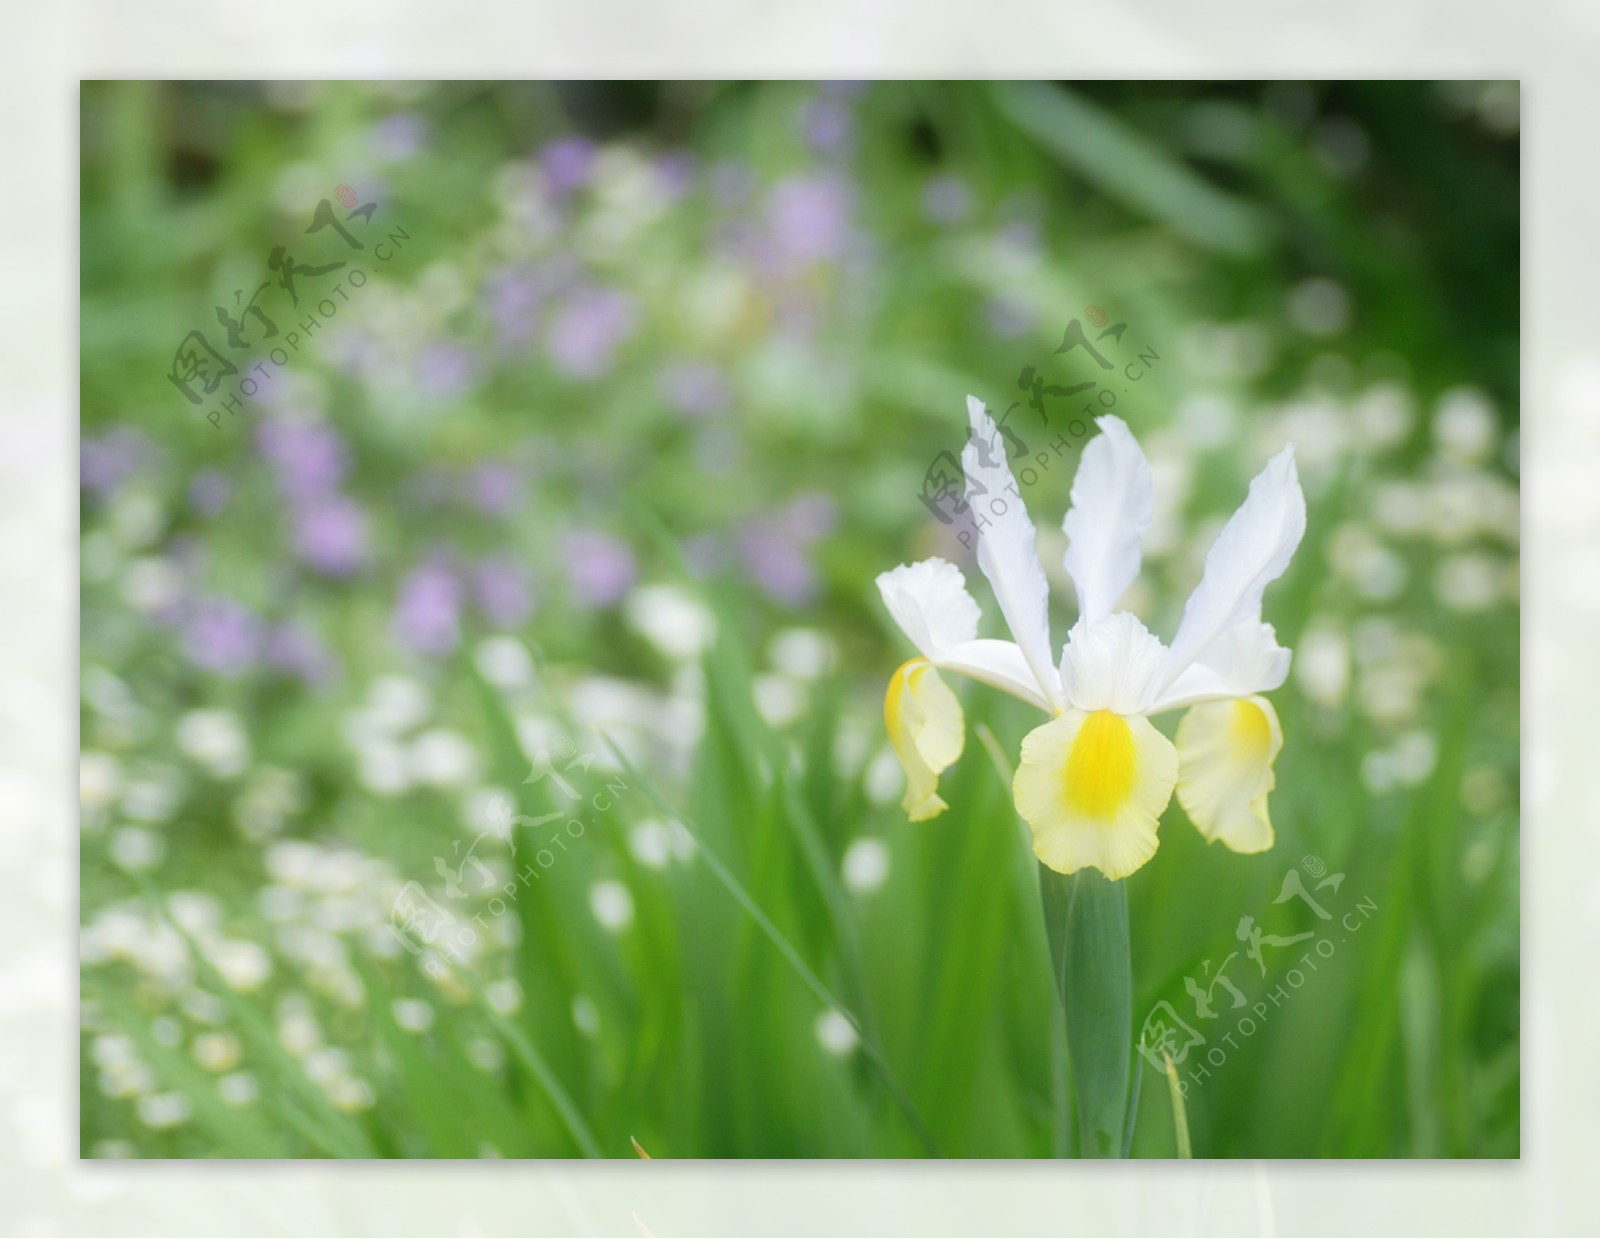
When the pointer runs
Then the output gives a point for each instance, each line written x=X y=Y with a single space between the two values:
x=928 y=732
x=1225 y=755
x=1092 y=788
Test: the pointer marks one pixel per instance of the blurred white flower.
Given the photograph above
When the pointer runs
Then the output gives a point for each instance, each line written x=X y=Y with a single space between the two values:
x=413 y=1014
x=650 y=844
x=397 y=703
x=383 y=768
x=1384 y=414
x=866 y=865
x=504 y=996
x=136 y=848
x=1468 y=582
x=585 y=1015
x=1322 y=665
x=217 y=1051
x=216 y=739
x=505 y=662
x=160 y=1110
x=836 y=1033
x=151 y=584
x=1465 y=428
x=238 y=1089
x=672 y=619
x=803 y=653
x=611 y=904
x=779 y=699
x=99 y=783
x=443 y=758
x=1319 y=307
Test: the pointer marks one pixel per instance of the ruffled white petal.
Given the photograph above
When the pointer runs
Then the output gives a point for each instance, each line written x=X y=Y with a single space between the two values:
x=928 y=731
x=1244 y=660
x=1115 y=664
x=1225 y=755
x=930 y=602
x=1092 y=788
x=1113 y=498
x=1007 y=550
x=1253 y=549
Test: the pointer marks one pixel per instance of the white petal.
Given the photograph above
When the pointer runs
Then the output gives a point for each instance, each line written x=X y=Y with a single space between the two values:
x=999 y=664
x=1244 y=660
x=1252 y=550
x=1007 y=553
x=1115 y=664
x=930 y=602
x=1112 y=501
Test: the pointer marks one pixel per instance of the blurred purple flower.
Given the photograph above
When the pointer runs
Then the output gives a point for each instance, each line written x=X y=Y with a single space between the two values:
x=775 y=548
x=830 y=125
x=399 y=136
x=514 y=296
x=809 y=217
x=778 y=562
x=296 y=650
x=427 y=615
x=732 y=182
x=105 y=462
x=1008 y=317
x=946 y=200
x=495 y=487
x=209 y=492
x=222 y=636
x=446 y=368
x=811 y=516
x=330 y=534
x=600 y=568
x=588 y=330
x=695 y=388
x=705 y=555
x=504 y=590
x=675 y=173
x=567 y=163
x=309 y=457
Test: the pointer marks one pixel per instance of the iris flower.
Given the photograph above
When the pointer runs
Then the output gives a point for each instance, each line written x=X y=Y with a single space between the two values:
x=1093 y=781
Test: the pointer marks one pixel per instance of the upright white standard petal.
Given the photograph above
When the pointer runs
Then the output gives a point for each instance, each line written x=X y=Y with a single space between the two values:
x=1007 y=550
x=1253 y=549
x=1113 y=498
x=930 y=603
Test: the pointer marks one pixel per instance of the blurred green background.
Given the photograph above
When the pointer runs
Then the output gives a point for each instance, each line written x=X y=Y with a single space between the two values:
x=556 y=532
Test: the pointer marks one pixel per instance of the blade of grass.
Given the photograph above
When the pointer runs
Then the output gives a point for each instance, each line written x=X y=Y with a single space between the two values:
x=785 y=948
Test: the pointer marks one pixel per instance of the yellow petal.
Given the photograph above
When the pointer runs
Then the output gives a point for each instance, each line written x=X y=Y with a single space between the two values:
x=1225 y=755
x=927 y=730
x=1092 y=786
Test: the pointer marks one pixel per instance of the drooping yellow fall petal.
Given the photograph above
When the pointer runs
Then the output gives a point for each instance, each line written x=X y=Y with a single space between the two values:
x=1092 y=786
x=928 y=732
x=1225 y=755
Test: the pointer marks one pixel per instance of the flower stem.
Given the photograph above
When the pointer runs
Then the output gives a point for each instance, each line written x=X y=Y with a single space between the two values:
x=1086 y=922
